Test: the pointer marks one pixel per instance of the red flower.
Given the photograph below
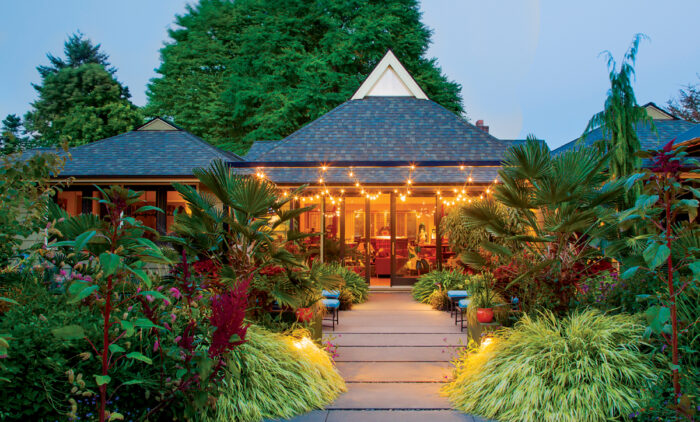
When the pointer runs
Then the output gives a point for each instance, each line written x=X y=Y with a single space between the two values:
x=663 y=160
x=304 y=314
x=227 y=313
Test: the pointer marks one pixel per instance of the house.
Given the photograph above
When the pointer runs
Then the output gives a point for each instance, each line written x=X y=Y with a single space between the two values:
x=381 y=170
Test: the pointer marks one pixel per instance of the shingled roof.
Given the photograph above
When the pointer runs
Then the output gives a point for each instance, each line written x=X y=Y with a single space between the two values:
x=667 y=128
x=387 y=128
x=157 y=148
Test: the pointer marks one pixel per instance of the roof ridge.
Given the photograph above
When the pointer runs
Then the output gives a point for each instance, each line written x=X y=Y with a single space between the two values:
x=207 y=144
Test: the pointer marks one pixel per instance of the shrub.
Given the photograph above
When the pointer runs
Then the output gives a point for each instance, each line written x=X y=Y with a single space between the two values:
x=276 y=376
x=585 y=367
x=434 y=280
x=439 y=300
x=354 y=283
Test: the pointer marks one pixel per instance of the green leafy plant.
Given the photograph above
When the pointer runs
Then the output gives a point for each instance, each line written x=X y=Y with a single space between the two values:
x=438 y=280
x=116 y=250
x=354 y=284
x=670 y=250
x=276 y=376
x=585 y=367
x=26 y=186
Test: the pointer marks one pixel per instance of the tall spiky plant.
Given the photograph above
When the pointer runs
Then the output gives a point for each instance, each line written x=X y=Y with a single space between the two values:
x=621 y=117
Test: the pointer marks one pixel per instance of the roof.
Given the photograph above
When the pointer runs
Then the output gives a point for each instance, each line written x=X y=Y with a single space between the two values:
x=387 y=128
x=666 y=129
x=693 y=134
x=167 y=151
x=259 y=148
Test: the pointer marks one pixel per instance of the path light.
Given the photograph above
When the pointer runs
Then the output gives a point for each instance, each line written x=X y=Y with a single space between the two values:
x=485 y=342
x=303 y=343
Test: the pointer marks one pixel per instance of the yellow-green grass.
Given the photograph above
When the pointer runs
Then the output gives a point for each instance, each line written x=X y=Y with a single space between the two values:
x=586 y=367
x=277 y=376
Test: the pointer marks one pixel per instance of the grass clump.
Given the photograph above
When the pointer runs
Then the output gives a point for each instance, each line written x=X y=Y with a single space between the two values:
x=438 y=280
x=275 y=376
x=585 y=367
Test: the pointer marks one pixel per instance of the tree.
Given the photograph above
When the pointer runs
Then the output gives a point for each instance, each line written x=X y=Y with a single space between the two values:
x=687 y=106
x=620 y=118
x=248 y=70
x=78 y=51
x=10 y=135
x=80 y=101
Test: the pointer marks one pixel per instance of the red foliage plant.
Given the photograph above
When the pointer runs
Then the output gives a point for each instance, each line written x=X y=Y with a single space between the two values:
x=228 y=312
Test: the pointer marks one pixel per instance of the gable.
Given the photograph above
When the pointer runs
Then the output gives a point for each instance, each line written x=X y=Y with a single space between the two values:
x=657 y=113
x=389 y=79
x=157 y=124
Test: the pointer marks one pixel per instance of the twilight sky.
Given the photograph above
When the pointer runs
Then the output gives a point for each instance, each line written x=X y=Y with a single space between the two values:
x=526 y=66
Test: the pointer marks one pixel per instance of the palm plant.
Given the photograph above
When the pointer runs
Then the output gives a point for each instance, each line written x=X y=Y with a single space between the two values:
x=558 y=204
x=238 y=222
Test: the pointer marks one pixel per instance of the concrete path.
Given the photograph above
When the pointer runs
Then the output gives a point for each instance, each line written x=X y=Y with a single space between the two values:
x=394 y=354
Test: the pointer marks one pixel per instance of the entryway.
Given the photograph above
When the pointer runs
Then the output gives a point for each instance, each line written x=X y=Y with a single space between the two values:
x=394 y=354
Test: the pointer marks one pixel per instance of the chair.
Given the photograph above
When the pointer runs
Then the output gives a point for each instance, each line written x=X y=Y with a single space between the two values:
x=462 y=306
x=332 y=305
x=331 y=294
x=455 y=296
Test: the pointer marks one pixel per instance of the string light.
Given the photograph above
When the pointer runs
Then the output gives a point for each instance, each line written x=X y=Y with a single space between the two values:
x=320 y=180
x=461 y=167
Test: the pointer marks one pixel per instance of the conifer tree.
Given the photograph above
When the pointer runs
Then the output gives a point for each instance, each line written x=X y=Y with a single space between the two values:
x=246 y=70
x=80 y=100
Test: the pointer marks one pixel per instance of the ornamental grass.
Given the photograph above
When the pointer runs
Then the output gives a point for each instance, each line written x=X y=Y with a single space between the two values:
x=585 y=367
x=354 y=283
x=275 y=376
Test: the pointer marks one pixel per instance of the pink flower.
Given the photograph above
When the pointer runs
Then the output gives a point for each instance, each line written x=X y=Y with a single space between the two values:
x=175 y=293
x=63 y=273
x=177 y=339
x=129 y=308
x=149 y=298
x=166 y=302
x=156 y=345
x=173 y=317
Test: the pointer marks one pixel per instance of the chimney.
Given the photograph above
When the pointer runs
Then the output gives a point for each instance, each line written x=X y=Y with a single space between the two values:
x=480 y=125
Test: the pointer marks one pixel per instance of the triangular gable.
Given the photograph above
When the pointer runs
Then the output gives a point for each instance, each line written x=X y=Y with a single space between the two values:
x=389 y=79
x=657 y=113
x=157 y=124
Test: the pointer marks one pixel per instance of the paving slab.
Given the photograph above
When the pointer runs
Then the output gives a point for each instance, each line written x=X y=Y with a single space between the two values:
x=314 y=416
x=393 y=339
x=396 y=354
x=391 y=396
x=399 y=416
x=395 y=371
x=396 y=322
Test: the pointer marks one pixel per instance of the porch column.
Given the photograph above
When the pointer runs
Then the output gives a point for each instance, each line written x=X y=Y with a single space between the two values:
x=392 y=233
x=341 y=235
x=294 y=224
x=438 y=232
x=162 y=203
x=368 y=256
x=322 y=238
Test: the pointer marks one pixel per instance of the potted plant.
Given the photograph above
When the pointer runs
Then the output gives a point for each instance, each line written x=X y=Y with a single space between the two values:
x=484 y=299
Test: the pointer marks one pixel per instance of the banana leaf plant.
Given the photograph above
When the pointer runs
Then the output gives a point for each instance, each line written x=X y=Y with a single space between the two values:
x=557 y=206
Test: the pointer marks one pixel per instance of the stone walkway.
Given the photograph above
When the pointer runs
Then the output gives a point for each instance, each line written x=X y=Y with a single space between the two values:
x=394 y=354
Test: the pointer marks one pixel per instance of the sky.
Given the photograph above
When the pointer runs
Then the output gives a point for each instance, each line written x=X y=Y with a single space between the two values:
x=525 y=66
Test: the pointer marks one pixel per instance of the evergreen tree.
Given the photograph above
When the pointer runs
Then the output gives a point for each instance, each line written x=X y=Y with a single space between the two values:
x=80 y=101
x=246 y=70
x=10 y=134
x=620 y=118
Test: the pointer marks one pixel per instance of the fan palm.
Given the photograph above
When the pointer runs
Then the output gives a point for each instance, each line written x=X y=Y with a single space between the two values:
x=557 y=205
x=239 y=222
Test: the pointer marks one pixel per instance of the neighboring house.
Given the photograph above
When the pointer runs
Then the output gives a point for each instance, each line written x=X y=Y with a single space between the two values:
x=666 y=127
x=149 y=158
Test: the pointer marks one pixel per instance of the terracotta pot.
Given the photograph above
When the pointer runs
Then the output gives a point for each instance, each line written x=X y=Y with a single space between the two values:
x=304 y=314
x=484 y=315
